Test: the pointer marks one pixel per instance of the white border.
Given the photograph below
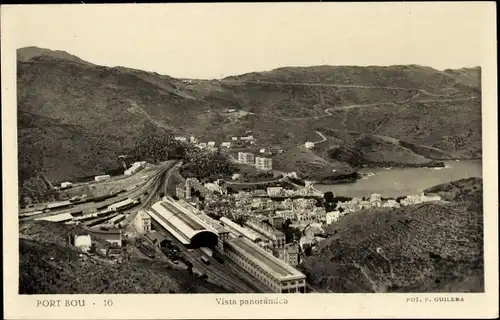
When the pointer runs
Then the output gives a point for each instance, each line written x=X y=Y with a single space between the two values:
x=204 y=306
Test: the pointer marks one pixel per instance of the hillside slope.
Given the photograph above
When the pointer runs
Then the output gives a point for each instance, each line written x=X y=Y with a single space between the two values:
x=48 y=265
x=75 y=118
x=28 y=53
x=429 y=247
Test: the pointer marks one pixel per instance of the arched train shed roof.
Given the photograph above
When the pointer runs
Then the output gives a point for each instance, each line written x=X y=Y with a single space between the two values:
x=183 y=226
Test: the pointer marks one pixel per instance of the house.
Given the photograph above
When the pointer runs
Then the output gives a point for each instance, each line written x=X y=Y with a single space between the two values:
x=274 y=191
x=66 y=184
x=192 y=139
x=136 y=166
x=287 y=215
x=248 y=138
x=246 y=157
x=226 y=145
x=202 y=145
x=431 y=197
x=183 y=139
x=211 y=144
x=309 y=145
x=290 y=254
x=180 y=191
x=83 y=242
x=142 y=222
x=333 y=216
x=277 y=221
x=262 y=150
x=234 y=138
x=102 y=177
x=264 y=163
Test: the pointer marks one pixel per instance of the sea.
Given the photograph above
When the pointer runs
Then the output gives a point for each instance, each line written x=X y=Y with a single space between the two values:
x=395 y=182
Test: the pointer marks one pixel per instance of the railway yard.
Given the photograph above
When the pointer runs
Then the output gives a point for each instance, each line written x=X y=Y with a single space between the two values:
x=113 y=215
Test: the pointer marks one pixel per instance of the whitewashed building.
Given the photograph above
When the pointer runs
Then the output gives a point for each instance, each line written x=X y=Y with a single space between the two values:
x=142 y=222
x=102 y=177
x=246 y=157
x=333 y=216
x=309 y=145
x=264 y=163
x=274 y=191
x=83 y=242
x=66 y=184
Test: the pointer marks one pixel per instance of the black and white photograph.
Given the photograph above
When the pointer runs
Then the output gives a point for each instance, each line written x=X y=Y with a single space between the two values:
x=273 y=149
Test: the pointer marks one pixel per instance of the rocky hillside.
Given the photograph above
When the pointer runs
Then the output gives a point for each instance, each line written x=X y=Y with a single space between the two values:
x=48 y=265
x=29 y=53
x=429 y=247
x=75 y=117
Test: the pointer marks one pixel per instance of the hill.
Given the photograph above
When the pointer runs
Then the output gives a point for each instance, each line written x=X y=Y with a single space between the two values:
x=75 y=118
x=48 y=265
x=429 y=247
x=28 y=53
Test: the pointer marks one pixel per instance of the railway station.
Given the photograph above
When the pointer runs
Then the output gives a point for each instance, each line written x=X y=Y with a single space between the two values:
x=274 y=273
x=191 y=231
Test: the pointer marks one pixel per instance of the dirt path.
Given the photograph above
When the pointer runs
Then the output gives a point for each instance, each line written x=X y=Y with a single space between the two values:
x=331 y=85
x=323 y=138
x=327 y=111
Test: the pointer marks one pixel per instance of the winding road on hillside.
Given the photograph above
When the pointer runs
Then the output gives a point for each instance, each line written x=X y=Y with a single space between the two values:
x=353 y=106
x=323 y=138
x=332 y=85
x=444 y=97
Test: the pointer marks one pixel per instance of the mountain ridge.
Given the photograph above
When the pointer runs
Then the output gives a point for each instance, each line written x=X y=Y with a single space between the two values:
x=116 y=104
x=427 y=247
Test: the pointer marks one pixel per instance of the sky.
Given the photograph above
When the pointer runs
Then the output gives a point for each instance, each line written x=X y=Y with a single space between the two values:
x=216 y=40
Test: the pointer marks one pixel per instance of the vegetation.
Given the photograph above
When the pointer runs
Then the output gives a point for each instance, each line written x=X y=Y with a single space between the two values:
x=469 y=190
x=371 y=151
x=76 y=118
x=429 y=247
x=249 y=173
x=49 y=265
x=208 y=166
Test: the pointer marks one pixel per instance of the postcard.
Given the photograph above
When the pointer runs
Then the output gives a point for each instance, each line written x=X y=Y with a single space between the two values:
x=250 y=160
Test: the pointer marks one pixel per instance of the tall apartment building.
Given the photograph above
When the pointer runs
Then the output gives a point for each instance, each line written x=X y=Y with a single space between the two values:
x=180 y=191
x=246 y=157
x=276 y=237
x=264 y=163
x=289 y=254
x=142 y=222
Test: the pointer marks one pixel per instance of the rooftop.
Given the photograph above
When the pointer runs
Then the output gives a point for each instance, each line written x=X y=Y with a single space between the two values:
x=178 y=234
x=83 y=240
x=58 y=217
x=182 y=216
x=122 y=203
x=242 y=230
x=58 y=204
x=265 y=260
x=177 y=221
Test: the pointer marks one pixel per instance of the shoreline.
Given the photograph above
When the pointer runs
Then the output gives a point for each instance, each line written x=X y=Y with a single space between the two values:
x=400 y=181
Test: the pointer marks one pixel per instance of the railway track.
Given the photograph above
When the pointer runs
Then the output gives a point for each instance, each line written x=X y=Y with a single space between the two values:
x=218 y=273
x=153 y=181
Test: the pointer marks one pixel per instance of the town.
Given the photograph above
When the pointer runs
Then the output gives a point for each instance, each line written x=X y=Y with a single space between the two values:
x=229 y=232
